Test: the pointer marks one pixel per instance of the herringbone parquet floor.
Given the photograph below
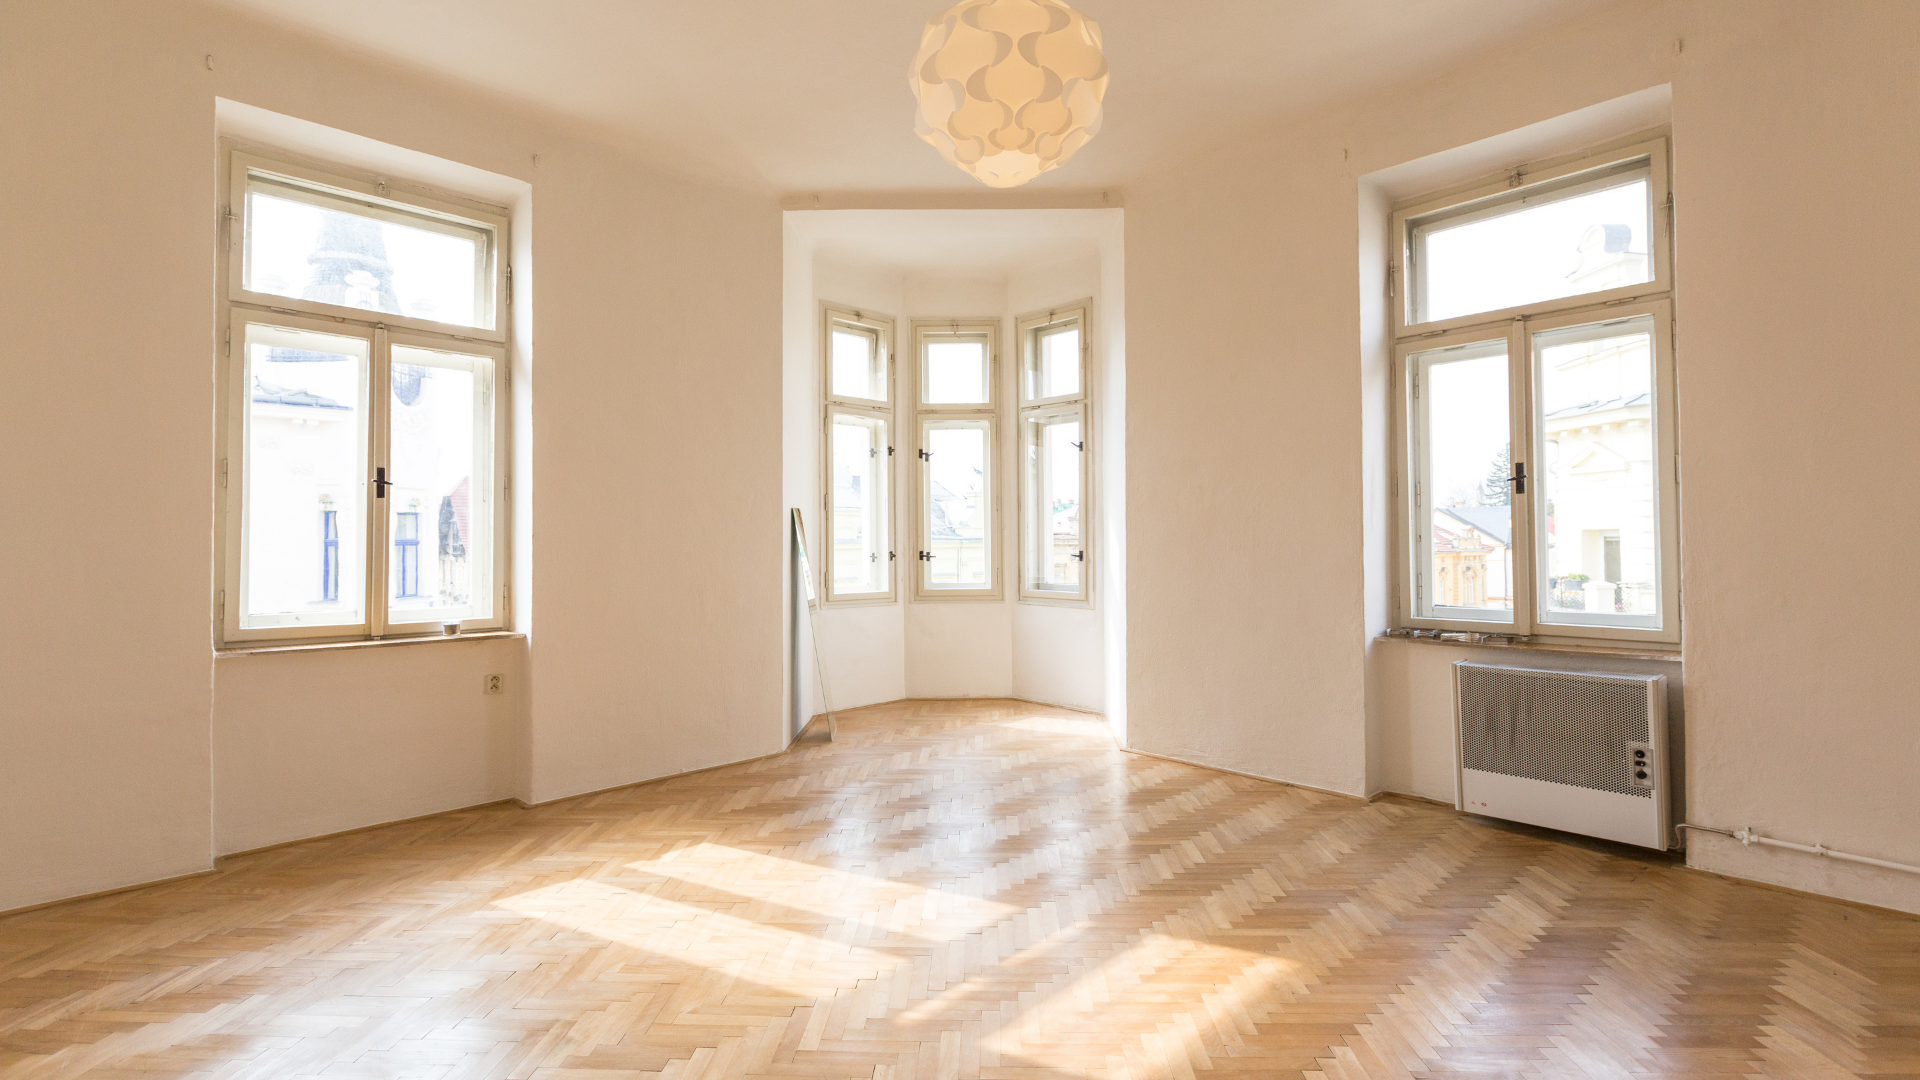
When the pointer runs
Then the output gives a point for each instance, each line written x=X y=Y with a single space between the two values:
x=957 y=889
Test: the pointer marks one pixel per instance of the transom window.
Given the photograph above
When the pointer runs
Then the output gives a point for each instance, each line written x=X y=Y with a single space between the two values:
x=1535 y=360
x=362 y=472
x=858 y=450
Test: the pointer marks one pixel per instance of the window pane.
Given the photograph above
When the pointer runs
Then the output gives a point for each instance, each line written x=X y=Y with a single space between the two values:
x=302 y=512
x=1054 y=368
x=955 y=372
x=858 y=364
x=314 y=248
x=1541 y=248
x=861 y=548
x=1056 y=551
x=439 y=427
x=1597 y=477
x=1468 y=547
x=959 y=520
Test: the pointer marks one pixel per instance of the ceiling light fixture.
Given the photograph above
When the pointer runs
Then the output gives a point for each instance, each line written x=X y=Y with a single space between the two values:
x=1009 y=89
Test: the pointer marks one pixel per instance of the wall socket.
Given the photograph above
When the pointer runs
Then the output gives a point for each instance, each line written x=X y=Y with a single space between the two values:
x=495 y=684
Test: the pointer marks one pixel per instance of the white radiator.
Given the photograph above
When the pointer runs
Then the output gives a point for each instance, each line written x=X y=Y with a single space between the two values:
x=1567 y=750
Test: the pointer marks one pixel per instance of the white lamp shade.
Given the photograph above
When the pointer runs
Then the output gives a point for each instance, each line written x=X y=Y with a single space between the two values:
x=1009 y=89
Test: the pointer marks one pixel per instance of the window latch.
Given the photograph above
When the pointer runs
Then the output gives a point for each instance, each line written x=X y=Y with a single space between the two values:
x=1079 y=446
x=1081 y=555
x=926 y=556
x=1519 y=477
x=924 y=456
x=380 y=483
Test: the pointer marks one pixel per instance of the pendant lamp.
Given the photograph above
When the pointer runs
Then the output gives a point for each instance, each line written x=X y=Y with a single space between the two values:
x=1009 y=89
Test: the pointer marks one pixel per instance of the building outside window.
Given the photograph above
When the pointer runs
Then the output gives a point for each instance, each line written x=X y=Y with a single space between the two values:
x=329 y=556
x=365 y=366
x=1534 y=358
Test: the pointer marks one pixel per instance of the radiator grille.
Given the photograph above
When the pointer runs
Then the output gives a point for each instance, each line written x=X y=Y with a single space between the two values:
x=1555 y=726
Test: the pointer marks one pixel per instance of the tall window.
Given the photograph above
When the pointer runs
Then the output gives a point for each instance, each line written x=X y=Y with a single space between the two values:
x=1535 y=358
x=364 y=367
x=1056 y=458
x=858 y=376
x=958 y=553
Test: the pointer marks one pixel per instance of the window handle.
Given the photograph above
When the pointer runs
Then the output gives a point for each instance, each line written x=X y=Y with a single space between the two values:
x=926 y=556
x=1081 y=555
x=925 y=456
x=380 y=483
x=1519 y=477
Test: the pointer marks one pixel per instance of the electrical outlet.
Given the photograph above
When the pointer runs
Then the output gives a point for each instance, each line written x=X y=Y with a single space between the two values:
x=1640 y=764
x=495 y=683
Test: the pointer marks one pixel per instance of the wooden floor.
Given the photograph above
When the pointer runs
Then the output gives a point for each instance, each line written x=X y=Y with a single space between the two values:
x=957 y=889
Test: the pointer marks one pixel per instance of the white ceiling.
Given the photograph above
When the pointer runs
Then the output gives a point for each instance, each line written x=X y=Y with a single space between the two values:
x=813 y=96
x=955 y=243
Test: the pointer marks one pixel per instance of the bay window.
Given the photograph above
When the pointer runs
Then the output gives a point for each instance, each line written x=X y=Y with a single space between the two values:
x=1537 y=472
x=1055 y=457
x=958 y=551
x=858 y=448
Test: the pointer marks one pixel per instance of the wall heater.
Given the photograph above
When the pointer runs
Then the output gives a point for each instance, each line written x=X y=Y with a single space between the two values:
x=1569 y=750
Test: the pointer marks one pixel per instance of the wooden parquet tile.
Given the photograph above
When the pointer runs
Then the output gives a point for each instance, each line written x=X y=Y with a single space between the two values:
x=957 y=889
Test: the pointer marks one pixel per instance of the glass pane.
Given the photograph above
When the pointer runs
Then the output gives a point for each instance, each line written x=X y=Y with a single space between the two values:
x=1532 y=250
x=302 y=525
x=440 y=501
x=1055 y=370
x=1597 y=475
x=1468 y=549
x=957 y=508
x=859 y=368
x=956 y=371
x=861 y=550
x=1056 y=552
x=313 y=248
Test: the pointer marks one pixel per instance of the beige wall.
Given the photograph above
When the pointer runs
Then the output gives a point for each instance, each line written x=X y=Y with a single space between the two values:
x=652 y=506
x=1794 y=153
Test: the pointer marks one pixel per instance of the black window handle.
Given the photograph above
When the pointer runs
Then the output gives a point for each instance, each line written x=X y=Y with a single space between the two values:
x=1519 y=477
x=380 y=483
x=1081 y=555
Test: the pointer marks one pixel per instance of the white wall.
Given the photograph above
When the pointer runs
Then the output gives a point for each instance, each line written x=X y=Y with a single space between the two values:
x=306 y=744
x=1059 y=652
x=658 y=589
x=1249 y=349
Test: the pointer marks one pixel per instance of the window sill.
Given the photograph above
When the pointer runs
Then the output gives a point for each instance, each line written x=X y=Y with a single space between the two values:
x=323 y=646
x=1545 y=647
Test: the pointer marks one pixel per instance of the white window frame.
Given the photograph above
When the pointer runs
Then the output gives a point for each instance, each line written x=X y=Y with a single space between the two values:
x=1554 y=177
x=1028 y=328
x=240 y=307
x=885 y=411
x=1516 y=328
x=376 y=197
x=927 y=417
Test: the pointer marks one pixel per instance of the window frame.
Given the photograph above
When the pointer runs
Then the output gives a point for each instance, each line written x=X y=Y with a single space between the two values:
x=1029 y=329
x=380 y=331
x=380 y=198
x=886 y=412
x=1487 y=196
x=1517 y=327
x=925 y=417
